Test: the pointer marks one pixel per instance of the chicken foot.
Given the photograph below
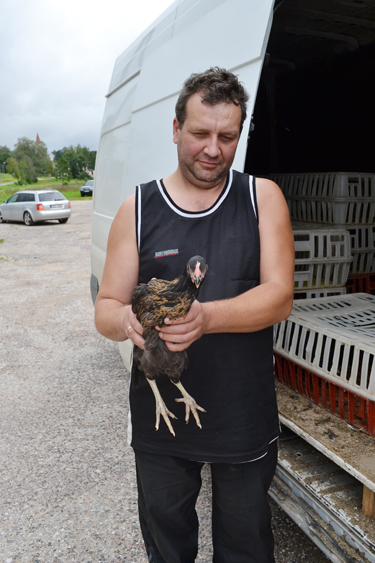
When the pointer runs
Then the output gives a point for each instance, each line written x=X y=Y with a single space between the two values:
x=190 y=404
x=161 y=408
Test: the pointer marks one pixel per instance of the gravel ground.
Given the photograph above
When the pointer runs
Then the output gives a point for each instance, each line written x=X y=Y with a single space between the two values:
x=67 y=483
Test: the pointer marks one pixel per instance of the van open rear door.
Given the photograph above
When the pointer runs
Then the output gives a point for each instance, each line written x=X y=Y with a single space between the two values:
x=136 y=137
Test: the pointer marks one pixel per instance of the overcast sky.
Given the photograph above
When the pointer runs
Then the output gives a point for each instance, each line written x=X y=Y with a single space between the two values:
x=56 y=62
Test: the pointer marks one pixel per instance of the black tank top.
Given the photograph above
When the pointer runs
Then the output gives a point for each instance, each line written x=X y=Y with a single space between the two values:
x=229 y=375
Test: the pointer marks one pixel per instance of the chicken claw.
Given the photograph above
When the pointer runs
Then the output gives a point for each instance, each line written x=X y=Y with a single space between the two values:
x=161 y=408
x=190 y=405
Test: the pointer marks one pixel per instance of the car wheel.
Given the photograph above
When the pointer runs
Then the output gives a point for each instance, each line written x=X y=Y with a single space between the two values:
x=1 y=219
x=82 y=195
x=27 y=219
x=63 y=220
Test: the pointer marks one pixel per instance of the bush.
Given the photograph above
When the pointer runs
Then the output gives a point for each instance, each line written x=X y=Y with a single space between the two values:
x=84 y=176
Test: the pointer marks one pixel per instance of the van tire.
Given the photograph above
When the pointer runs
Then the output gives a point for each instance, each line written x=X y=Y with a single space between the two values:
x=27 y=219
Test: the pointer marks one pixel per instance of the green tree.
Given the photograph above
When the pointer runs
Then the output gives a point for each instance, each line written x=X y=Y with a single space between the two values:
x=28 y=173
x=74 y=160
x=36 y=152
x=91 y=160
x=80 y=159
x=62 y=170
x=59 y=154
x=87 y=157
x=13 y=168
x=50 y=169
x=5 y=153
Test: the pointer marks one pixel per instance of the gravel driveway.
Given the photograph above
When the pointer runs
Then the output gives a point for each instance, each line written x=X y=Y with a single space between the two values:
x=67 y=483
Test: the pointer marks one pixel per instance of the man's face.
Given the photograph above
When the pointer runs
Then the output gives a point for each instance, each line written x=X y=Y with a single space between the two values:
x=207 y=141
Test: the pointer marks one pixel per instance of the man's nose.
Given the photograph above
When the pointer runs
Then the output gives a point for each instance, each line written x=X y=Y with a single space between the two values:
x=212 y=148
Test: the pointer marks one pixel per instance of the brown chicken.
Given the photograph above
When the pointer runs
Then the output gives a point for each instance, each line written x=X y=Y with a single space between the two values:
x=153 y=302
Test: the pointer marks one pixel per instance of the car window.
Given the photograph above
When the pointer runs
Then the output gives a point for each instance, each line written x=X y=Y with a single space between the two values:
x=90 y=183
x=51 y=196
x=12 y=198
x=25 y=197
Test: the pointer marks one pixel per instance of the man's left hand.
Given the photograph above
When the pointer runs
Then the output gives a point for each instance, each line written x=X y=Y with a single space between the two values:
x=179 y=334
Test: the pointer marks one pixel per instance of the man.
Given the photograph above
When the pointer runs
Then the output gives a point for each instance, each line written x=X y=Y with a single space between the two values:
x=242 y=228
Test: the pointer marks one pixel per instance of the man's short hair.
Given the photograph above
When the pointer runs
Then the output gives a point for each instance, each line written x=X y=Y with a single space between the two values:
x=215 y=85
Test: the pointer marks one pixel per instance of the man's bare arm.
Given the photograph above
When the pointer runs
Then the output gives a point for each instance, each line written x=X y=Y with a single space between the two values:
x=113 y=314
x=258 y=308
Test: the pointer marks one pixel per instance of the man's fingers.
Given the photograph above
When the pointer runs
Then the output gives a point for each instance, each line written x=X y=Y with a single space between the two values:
x=136 y=338
x=179 y=336
x=190 y=317
x=134 y=329
x=178 y=347
x=176 y=329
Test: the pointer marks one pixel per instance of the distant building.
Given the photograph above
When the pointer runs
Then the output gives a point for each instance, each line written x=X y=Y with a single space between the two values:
x=38 y=139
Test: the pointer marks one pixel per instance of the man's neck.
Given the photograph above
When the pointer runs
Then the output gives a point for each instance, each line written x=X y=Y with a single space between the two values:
x=191 y=197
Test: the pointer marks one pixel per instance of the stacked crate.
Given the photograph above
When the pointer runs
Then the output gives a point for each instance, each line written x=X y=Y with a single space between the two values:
x=325 y=351
x=335 y=202
x=322 y=260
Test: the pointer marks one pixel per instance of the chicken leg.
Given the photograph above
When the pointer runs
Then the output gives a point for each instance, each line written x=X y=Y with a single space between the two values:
x=161 y=408
x=190 y=404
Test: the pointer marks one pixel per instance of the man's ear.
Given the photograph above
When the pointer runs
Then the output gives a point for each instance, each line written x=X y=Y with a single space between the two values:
x=176 y=130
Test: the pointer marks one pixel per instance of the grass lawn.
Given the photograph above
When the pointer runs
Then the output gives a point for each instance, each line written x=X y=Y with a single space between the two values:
x=5 y=178
x=70 y=191
x=74 y=194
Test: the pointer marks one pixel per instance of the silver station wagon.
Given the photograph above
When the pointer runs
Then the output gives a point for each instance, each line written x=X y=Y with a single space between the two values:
x=35 y=206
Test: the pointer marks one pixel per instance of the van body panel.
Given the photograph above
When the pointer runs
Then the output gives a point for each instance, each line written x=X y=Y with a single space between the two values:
x=120 y=105
x=231 y=35
x=131 y=59
x=111 y=170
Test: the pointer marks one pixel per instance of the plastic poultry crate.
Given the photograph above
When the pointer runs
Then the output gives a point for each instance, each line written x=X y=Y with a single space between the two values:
x=333 y=211
x=333 y=397
x=316 y=293
x=332 y=338
x=362 y=238
x=363 y=262
x=321 y=274
x=322 y=256
x=364 y=283
x=362 y=242
x=317 y=240
x=313 y=241
x=327 y=185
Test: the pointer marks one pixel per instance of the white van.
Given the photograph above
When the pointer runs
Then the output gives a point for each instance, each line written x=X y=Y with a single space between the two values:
x=309 y=69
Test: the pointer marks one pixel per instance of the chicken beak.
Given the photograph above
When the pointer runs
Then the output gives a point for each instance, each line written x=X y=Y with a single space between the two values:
x=197 y=280
x=197 y=276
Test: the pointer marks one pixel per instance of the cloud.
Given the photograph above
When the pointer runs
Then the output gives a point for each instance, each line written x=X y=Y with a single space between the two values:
x=56 y=65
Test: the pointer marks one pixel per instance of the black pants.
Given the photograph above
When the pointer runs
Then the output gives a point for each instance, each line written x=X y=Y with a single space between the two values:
x=168 y=488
